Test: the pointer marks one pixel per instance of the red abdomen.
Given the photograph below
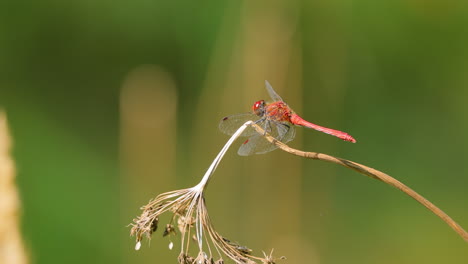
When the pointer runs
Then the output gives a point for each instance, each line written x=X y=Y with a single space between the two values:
x=297 y=120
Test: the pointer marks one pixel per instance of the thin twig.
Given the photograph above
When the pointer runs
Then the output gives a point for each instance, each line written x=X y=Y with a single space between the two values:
x=370 y=172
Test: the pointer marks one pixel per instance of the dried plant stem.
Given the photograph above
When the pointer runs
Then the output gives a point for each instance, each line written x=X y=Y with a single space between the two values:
x=370 y=172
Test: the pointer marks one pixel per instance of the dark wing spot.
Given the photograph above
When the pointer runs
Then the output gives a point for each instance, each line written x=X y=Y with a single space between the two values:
x=245 y=142
x=225 y=118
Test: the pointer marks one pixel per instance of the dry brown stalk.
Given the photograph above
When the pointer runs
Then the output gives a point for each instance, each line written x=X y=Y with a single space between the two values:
x=370 y=172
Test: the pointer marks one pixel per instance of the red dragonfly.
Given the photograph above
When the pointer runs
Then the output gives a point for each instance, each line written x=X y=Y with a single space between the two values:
x=276 y=118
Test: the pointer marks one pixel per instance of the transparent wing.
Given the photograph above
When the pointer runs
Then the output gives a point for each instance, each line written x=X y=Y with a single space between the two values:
x=229 y=124
x=272 y=92
x=257 y=144
x=286 y=133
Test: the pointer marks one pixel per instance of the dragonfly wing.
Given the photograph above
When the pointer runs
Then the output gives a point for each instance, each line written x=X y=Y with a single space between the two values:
x=286 y=132
x=256 y=144
x=229 y=124
x=272 y=92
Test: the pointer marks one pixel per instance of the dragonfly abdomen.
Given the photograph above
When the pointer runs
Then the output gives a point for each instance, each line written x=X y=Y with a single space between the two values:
x=297 y=120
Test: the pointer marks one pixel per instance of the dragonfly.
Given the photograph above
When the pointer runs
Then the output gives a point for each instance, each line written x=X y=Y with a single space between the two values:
x=277 y=119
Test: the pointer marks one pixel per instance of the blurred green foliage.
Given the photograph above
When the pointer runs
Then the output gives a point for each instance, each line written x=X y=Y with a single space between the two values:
x=391 y=73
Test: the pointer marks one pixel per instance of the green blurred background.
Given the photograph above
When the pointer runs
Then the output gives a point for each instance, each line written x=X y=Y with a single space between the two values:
x=113 y=102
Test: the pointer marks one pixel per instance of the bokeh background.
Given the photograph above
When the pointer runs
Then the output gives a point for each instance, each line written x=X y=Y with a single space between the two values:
x=110 y=103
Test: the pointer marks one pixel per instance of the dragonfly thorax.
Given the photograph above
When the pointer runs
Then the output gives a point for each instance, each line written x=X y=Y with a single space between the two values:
x=259 y=108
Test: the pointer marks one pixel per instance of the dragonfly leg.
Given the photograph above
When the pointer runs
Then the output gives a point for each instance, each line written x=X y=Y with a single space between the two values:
x=259 y=121
x=265 y=125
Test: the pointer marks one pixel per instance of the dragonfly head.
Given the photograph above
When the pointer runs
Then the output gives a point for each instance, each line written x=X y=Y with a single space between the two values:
x=259 y=108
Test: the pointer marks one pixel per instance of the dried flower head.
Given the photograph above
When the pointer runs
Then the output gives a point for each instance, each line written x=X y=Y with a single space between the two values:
x=190 y=214
x=269 y=259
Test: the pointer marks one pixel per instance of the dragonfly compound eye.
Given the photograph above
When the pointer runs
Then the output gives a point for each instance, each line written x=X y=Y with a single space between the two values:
x=258 y=107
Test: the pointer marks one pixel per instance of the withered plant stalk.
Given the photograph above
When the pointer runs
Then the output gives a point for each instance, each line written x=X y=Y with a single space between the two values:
x=370 y=172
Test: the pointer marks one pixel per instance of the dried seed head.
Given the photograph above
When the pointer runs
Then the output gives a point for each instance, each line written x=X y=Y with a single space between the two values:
x=169 y=230
x=195 y=223
x=185 y=259
x=147 y=223
x=269 y=259
x=202 y=258
x=242 y=249
x=184 y=222
x=154 y=225
x=138 y=245
x=188 y=206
